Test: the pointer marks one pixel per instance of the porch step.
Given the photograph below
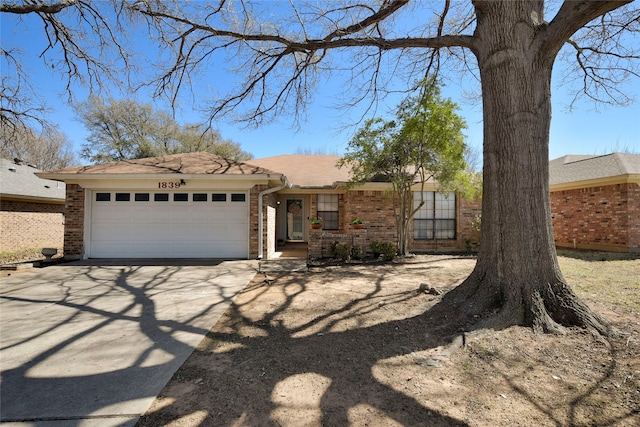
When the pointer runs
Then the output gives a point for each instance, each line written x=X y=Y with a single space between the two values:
x=279 y=264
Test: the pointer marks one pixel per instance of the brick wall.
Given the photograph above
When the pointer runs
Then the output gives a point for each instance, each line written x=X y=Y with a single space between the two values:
x=74 y=222
x=29 y=225
x=320 y=241
x=470 y=212
x=633 y=193
x=253 y=219
x=600 y=217
x=376 y=209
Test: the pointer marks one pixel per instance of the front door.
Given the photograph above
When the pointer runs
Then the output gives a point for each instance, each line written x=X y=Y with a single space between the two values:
x=295 y=220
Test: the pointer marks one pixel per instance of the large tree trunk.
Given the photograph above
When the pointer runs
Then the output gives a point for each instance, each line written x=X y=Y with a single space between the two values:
x=517 y=277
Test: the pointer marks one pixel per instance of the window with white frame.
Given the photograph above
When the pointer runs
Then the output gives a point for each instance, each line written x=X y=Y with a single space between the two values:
x=328 y=211
x=436 y=218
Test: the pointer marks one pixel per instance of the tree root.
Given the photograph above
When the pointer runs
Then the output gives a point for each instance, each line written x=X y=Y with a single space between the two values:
x=549 y=309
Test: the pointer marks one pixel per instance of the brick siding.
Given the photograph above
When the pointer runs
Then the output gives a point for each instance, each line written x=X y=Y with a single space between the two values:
x=375 y=208
x=74 y=222
x=30 y=225
x=601 y=217
x=633 y=194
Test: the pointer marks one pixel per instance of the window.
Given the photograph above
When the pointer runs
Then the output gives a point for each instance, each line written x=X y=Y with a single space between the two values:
x=181 y=197
x=218 y=197
x=436 y=219
x=238 y=197
x=123 y=197
x=103 y=197
x=328 y=211
x=141 y=197
x=199 y=197
x=161 y=197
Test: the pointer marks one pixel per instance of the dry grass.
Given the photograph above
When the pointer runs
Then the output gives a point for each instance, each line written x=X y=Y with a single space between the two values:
x=610 y=278
x=25 y=255
x=349 y=345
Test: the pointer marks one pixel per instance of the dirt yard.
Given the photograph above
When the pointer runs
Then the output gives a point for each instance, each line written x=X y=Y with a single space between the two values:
x=360 y=345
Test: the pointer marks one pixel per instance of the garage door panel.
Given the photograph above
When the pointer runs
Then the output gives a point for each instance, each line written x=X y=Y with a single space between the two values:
x=169 y=229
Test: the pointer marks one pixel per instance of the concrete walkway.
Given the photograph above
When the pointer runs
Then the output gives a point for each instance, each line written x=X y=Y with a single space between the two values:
x=92 y=343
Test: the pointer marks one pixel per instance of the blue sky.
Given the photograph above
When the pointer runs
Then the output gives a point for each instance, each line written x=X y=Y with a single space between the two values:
x=581 y=131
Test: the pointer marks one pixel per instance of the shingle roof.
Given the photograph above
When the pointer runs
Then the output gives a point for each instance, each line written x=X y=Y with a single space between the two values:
x=573 y=168
x=20 y=181
x=187 y=163
x=307 y=171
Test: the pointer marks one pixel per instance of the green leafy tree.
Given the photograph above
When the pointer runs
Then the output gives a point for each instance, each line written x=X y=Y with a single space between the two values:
x=127 y=129
x=424 y=141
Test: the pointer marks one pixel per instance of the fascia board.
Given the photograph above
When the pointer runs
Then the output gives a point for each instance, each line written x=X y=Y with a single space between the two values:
x=307 y=190
x=610 y=180
x=367 y=186
x=22 y=198
x=97 y=179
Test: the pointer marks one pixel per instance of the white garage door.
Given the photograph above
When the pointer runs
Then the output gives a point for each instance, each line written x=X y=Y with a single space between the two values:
x=169 y=225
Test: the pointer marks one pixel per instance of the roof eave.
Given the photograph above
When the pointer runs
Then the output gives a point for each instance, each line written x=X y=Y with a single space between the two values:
x=79 y=178
x=609 y=180
x=27 y=198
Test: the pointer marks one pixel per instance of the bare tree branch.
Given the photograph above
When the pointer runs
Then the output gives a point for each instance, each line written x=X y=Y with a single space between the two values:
x=603 y=58
x=84 y=42
x=32 y=7
x=273 y=52
x=281 y=61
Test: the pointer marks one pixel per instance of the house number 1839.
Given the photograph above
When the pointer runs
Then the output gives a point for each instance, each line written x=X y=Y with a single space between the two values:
x=169 y=184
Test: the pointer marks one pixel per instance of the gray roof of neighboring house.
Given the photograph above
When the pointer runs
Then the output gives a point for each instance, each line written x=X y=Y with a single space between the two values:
x=574 y=168
x=18 y=181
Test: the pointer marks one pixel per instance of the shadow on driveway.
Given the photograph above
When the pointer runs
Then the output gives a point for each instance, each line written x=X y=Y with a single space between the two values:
x=92 y=343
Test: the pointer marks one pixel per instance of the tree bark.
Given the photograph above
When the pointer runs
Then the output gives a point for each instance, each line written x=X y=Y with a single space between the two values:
x=517 y=278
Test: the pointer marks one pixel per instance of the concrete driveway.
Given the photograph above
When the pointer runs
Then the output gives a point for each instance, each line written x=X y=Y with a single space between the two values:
x=92 y=343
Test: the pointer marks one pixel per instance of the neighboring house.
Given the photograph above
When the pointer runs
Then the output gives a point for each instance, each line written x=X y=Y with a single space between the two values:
x=595 y=201
x=31 y=208
x=198 y=205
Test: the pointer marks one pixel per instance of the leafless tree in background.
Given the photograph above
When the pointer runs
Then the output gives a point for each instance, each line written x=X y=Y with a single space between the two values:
x=47 y=150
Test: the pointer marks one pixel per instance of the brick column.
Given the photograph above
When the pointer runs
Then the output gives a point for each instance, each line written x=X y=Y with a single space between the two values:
x=74 y=222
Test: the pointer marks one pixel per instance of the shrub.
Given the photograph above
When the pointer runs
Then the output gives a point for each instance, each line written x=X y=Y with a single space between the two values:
x=357 y=252
x=384 y=250
x=342 y=251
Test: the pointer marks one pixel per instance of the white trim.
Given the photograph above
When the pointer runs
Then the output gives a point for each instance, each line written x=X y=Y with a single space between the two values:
x=284 y=184
x=596 y=182
x=86 y=236
x=76 y=178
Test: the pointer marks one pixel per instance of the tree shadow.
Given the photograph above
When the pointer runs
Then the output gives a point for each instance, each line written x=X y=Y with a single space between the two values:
x=251 y=361
x=100 y=342
x=255 y=367
x=327 y=366
x=597 y=256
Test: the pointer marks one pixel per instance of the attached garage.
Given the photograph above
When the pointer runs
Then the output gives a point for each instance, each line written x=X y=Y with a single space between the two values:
x=192 y=205
x=139 y=224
